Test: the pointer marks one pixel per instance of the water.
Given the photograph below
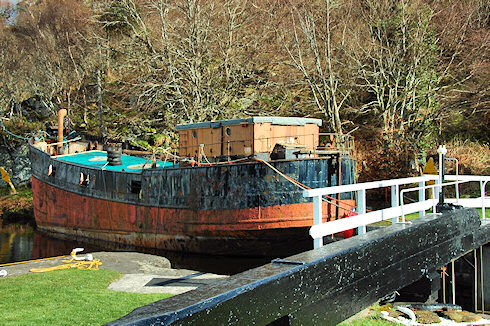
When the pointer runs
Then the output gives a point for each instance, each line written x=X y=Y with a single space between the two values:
x=21 y=245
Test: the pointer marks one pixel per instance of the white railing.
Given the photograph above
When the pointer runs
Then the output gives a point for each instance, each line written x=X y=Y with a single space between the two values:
x=481 y=201
x=398 y=207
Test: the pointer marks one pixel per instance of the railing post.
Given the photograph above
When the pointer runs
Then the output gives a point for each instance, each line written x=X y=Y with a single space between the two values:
x=457 y=179
x=421 y=196
x=394 y=200
x=456 y=186
x=442 y=157
x=436 y=190
x=317 y=219
x=361 y=205
x=483 y=184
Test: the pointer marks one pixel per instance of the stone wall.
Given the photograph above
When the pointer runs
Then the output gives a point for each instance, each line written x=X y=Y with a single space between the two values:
x=14 y=152
x=14 y=158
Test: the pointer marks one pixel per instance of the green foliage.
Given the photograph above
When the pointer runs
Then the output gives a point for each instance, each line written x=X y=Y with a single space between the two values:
x=67 y=297
x=487 y=212
x=373 y=317
x=21 y=127
x=142 y=143
x=22 y=192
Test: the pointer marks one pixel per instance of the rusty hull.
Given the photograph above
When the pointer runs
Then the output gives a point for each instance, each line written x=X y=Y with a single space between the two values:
x=239 y=209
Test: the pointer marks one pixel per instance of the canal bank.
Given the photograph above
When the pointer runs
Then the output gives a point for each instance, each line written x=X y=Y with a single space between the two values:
x=22 y=244
x=142 y=273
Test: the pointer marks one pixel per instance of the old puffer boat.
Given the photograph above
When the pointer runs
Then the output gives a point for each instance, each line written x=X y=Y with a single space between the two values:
x=233 y=187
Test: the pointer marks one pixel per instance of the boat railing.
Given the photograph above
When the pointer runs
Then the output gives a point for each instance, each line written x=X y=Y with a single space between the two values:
x=63 y=142
x=399 y=209
x=341 y=142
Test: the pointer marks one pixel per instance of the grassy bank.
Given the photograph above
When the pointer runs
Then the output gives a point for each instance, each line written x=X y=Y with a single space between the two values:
x=369 y=317
x=66 y=297
x=75 y=297
x=370 y=321
x=412 y=216
x=16 y=209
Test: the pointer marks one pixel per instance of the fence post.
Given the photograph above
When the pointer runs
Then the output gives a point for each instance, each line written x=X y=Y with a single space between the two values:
x=395 y=190
x=436 y=190
x=421 y=196
x=482 y=193
x=361 y=205
x=442 y=157
x=317 y=219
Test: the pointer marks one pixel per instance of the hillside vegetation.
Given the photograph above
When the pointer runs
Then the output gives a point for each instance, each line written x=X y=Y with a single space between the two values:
x=401 y=76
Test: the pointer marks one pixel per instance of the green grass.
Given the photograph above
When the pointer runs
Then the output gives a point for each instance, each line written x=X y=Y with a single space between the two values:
x=368 y=322
x=66 y=297
x=412 y=216
x=22 y=191
x=369 y=317
x=408 y=217
x=487 y=212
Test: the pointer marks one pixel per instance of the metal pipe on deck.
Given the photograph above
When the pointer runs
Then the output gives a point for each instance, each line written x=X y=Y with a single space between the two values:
x=61 y=116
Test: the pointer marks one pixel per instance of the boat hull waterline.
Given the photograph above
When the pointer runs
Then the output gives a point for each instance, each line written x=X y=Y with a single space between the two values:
x=233 y=209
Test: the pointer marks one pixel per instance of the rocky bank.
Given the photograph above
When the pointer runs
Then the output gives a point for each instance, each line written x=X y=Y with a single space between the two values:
x=14 y=158
x=14 y=152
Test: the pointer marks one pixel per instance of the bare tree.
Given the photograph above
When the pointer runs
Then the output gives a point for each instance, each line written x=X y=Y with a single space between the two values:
x=396 y=66
x=192 y=68
x=313 y=54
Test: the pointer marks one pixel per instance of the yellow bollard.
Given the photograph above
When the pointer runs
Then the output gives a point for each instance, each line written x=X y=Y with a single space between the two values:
x=430 y=168
x=6 y=178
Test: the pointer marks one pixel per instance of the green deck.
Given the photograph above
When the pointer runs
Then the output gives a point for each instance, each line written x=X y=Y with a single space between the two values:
x=98 y=160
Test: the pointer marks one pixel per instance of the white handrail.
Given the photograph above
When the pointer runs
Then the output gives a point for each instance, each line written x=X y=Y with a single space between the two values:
x=366 y=185
x=399 y=208
x=64 y=141
x=457 y=174
x=404 y=191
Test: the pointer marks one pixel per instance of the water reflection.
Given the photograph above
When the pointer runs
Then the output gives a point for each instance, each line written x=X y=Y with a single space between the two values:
x=21 y=245
x=15 y=246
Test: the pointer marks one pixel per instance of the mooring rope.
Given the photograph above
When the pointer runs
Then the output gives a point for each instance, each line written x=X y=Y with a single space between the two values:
x=304 y=187
x=32 y=260
x=91 y=265
x=9 y=133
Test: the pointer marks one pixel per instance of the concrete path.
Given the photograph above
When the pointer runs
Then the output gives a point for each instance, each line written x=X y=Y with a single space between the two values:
x=142 y=273
x=157 y=283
